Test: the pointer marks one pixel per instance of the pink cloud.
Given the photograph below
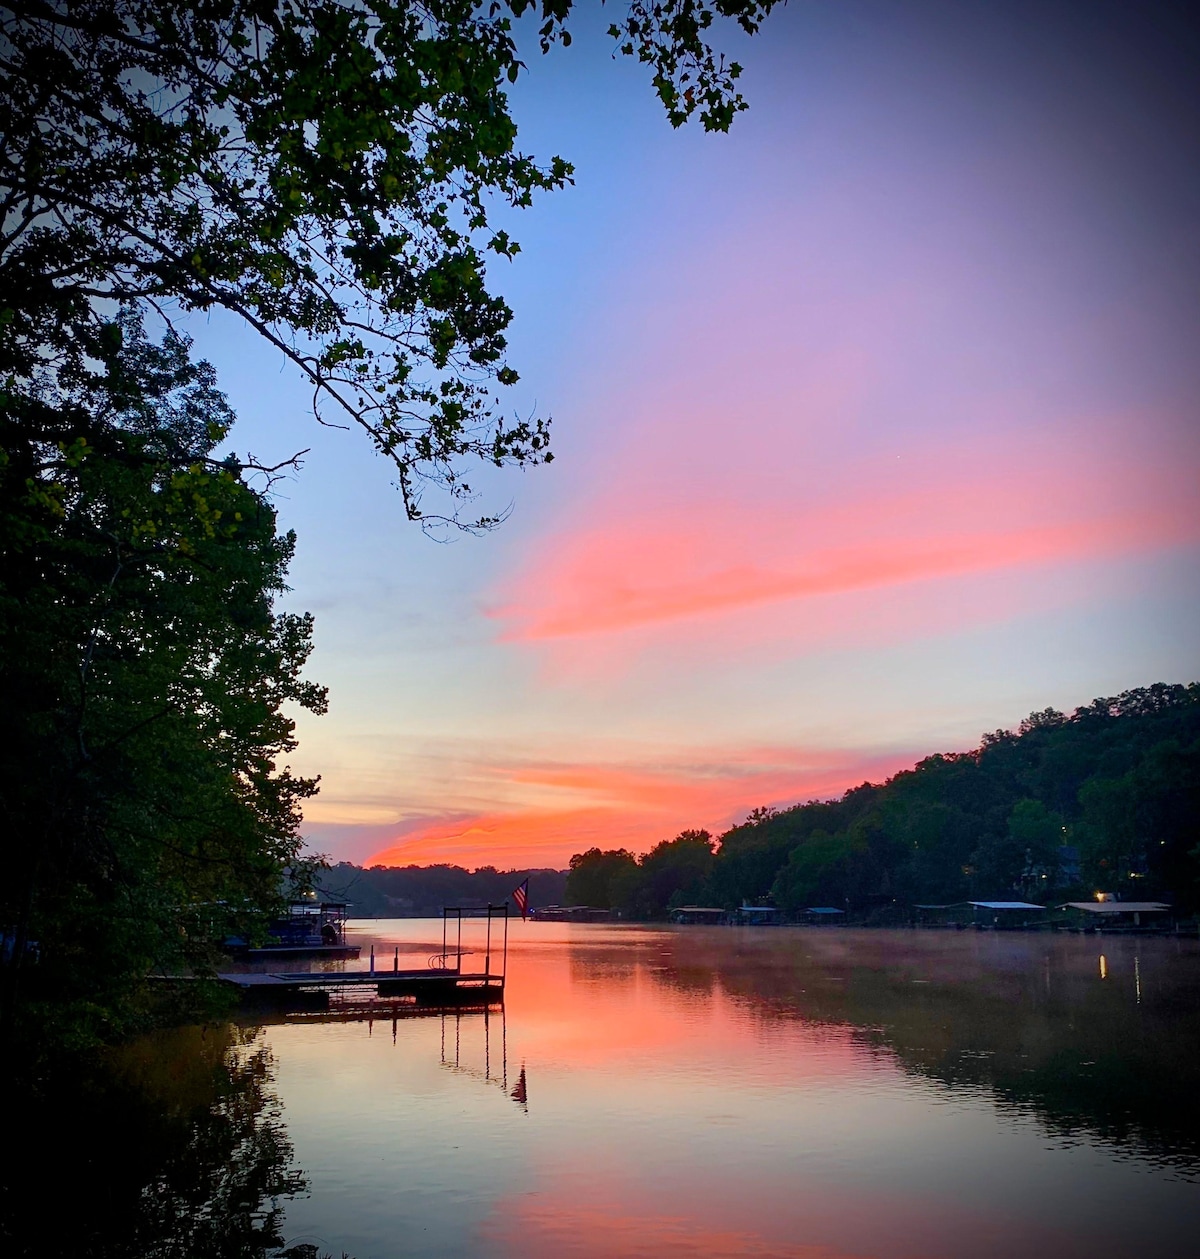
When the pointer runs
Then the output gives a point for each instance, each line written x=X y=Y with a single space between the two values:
x=943 y=514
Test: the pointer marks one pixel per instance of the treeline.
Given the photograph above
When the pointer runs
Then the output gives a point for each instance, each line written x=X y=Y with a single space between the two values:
x=1105 y=799
x=422 y=891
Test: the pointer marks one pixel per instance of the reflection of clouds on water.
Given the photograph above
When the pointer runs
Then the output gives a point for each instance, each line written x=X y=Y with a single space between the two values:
x=788 y=1094
x=1047 y=1024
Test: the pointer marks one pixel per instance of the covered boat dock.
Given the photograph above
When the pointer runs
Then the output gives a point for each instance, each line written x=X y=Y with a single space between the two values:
x=1110 y=915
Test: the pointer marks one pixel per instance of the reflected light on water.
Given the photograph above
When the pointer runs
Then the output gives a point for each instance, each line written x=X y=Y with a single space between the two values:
x=813 y=1094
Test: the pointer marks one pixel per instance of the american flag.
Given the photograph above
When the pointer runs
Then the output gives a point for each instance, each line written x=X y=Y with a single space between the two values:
x=521 y=897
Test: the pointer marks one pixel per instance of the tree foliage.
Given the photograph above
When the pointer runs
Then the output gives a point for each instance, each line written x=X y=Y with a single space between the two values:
x=327 y=170
x=672 y=873
x=593 y=874
x=144 y=673
x=330 y=172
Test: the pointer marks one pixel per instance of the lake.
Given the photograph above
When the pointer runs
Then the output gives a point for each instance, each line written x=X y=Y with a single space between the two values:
x=808 y=1093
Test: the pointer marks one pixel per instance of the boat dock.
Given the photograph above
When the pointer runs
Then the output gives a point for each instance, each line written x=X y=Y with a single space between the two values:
x=443 y=982
x=432 y=986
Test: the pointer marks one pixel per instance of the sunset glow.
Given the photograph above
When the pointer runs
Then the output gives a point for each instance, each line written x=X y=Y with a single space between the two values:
x=584 y=806
x=875 y=427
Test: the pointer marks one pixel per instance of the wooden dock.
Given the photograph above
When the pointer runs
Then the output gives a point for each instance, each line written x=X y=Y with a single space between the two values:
x=434 y=986
x=443 y=982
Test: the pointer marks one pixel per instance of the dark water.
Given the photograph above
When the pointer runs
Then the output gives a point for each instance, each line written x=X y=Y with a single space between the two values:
x=815 y=1094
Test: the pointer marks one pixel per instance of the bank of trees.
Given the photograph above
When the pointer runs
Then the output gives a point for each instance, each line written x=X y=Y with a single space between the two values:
x=146 y=802
x=1107 y=798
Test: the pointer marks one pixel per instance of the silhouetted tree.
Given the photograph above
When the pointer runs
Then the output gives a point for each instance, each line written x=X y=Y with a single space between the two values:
x=590 y=880
x=326 y=170
x=144 y=673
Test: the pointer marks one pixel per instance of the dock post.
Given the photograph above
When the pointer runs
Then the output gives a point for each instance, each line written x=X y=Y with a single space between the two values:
x=396 y=959
x=372 y=959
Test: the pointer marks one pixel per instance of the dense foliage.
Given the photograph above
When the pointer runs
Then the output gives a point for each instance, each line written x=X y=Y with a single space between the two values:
x=327 y=170
x=1107 y=799
x=143 y=671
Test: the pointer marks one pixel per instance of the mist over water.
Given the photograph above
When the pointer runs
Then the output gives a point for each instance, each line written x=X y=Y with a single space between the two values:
x=805 y=1093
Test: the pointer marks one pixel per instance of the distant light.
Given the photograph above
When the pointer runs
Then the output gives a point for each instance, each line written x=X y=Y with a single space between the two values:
x=1103 y=967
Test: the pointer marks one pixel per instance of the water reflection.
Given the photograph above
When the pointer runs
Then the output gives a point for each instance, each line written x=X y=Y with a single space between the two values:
x=1097 y=1043
x=495 y=1049
x=174 y=1146
x=800 y=1094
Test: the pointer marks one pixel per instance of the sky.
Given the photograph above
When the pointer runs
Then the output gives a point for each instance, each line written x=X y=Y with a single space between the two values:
x=876 y=424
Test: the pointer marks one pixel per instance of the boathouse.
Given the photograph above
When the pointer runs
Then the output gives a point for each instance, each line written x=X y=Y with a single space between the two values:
x=1109 y=914
x=1006 y=913
x=824 y=915
x=982 y=914
x=697 y=914
x=757 y=915
x=570 y=913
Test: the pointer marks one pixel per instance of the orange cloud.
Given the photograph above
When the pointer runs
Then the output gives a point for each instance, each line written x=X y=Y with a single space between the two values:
x=611 y=806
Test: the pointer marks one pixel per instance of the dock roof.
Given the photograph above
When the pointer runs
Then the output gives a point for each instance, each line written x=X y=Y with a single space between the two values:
x=1004 y=905
x=1118 y=907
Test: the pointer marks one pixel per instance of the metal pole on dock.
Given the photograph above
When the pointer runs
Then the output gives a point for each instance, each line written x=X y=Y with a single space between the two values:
x=487 y=953
x=372 y=959
x=506 y=938
x=396 y=959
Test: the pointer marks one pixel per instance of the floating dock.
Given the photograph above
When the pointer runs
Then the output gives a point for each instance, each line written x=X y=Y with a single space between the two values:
x=432 y=986
x=443 y=982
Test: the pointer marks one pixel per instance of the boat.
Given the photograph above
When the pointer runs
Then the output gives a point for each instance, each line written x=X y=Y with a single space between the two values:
x=310 y=928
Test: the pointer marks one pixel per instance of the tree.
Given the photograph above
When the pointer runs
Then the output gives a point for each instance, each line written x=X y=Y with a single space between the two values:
x=325 y=169
x=1026 y=851
x=815 y=872
x=675 y=871
x=144 y=674
x=1118 y=774
x=590 y=881
x=1141 y=831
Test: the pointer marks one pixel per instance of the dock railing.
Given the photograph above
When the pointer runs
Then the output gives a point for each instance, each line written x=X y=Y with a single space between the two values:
x=456 y=914
x=442 y=981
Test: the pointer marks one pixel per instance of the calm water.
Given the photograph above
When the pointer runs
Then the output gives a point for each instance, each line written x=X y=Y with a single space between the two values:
x=717 y=1092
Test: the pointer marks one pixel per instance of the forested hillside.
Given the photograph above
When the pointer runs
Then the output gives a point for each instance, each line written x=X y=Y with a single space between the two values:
x=1107 y=798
